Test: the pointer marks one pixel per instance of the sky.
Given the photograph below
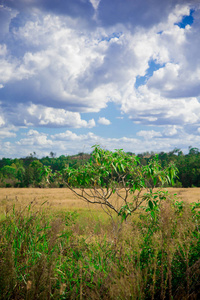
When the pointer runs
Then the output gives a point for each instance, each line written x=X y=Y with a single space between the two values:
x=123 y=74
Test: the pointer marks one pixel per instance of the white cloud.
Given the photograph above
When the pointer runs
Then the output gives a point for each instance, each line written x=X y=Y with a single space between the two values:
x=36 y=139
x=6 y=134
x=53 y=69
x=72 y=69
x=82 y=71
x=156 y=141
x=172 y=130
x=39 y=115
x=3 y=50
x=6 y=131
x=95 y=3
x=32 y=132
x=57 y=117
x=149 y=134
x=148 y=106
x=71 y=143
x=2 y=122
x=7 y=71
x=104 y=121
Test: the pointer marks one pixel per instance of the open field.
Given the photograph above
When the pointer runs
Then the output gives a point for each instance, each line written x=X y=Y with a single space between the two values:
x=48 y=252
x=64 y=199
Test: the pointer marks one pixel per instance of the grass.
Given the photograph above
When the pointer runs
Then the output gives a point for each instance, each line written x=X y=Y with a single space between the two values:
x=54 y=246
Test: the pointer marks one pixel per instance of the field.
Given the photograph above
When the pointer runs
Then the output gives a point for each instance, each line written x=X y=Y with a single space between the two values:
x=56 y=246
x=64 y=199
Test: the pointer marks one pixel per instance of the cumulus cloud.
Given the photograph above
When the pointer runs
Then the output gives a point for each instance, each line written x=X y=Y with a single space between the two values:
x=61 y=60
x=107 y=13
x=39 y=115
x=62 y=71
x=172 y=130
x=147 y=107
x=149 y=134
x=36 y=139
x=104 y=121
x=77 y=8
x=5 y=133
x=148 y=13
x=82 y=71
x=170 y=95
x=69 y=142
x=56 y=117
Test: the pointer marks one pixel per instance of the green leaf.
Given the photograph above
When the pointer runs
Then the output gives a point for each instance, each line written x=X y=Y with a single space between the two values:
x=153 y=214
x=150 y=204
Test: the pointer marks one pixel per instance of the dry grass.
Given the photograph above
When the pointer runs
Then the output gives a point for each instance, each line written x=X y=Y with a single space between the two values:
x=186 y=194
x=93 y=257
x=54 y=199
x=64 y=199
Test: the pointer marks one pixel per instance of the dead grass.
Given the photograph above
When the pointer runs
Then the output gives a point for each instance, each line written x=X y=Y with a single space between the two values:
x=64 y=198
x=186 y=194
x=117 y=262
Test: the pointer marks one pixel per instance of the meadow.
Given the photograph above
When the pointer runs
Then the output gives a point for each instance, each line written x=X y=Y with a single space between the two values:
x=56 y=246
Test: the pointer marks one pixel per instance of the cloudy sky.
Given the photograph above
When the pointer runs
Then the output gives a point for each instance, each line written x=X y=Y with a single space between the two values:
x=119 y=73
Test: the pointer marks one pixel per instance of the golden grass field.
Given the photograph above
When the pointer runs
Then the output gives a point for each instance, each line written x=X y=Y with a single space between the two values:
x=98 y=248
x=64 y=199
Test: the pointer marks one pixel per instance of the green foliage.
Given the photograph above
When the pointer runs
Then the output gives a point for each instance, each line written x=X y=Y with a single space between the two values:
x=19 y=172
x=9 y=171
x=29 y=252
x=119 y=173
x=43 y=257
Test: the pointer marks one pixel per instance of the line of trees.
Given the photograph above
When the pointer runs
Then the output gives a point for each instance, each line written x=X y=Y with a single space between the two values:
x=50 y=171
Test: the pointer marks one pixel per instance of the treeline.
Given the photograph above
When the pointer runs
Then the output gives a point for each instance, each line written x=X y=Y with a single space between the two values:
x=50 y=171
x=31 y=171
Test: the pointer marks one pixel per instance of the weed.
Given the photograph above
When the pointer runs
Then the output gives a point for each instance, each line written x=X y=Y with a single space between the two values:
x=48 y=254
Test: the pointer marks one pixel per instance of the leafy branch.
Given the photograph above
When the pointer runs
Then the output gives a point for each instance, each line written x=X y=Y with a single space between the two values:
x=118 y=173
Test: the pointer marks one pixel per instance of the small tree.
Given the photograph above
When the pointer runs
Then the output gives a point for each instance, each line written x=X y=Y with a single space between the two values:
x=119 y=173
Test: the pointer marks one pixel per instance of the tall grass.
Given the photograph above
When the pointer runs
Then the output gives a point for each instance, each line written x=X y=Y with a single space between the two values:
x=44 y=255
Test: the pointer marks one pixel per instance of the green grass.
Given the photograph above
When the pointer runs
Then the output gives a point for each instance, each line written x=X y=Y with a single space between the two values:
x=87 y=255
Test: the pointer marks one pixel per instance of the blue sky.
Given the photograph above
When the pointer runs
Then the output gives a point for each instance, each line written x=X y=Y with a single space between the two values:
x=119 y=73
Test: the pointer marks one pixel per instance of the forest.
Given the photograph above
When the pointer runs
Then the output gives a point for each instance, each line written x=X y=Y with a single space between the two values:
x=50 y=171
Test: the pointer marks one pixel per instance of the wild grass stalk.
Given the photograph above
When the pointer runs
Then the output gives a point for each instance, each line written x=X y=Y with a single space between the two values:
x=49 y=255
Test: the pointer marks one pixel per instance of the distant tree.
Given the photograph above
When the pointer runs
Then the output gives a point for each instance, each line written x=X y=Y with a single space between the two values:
x=21 y=174
x=9 y=171
x=193 y=151
x=52 y=154
x=34 y=173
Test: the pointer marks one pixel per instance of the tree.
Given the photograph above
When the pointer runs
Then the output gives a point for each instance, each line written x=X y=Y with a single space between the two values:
x=21 y=174
x=193 y=150
x=52 y=154
x=9 y=171
x=34 y=173
x=119 y=173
